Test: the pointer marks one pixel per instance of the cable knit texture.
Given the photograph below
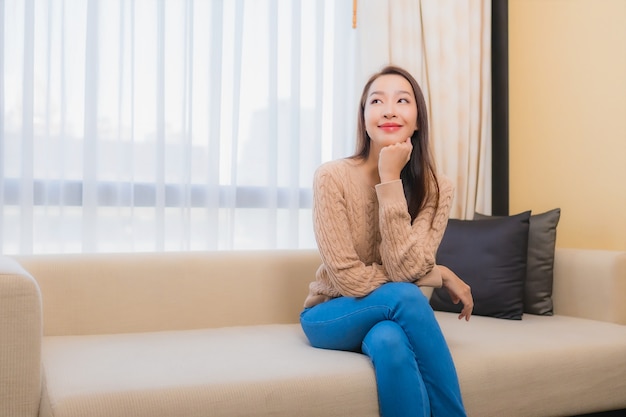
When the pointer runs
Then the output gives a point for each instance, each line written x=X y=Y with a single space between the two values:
x=365 y=235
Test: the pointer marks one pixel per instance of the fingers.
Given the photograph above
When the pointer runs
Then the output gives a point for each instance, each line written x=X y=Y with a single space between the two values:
x=459 y=292
x=468 y=306
x=392 y=160
x=465 y=297
x=466 y=312
x=402 y=148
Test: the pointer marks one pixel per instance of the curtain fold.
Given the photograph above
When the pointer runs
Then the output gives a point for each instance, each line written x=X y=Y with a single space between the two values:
x=213 y=114
x=169 y=125
x=235 y=121
x=90 y=135
x=26 y=182
x=2 y=197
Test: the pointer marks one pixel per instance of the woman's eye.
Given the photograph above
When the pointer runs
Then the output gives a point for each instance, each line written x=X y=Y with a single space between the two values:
x=403 y=100
x=375 y=101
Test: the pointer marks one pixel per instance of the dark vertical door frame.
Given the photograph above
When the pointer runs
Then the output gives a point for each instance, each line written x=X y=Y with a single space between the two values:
x=500 y=107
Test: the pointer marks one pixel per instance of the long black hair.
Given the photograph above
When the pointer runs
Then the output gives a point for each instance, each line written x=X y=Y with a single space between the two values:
x=419 y=174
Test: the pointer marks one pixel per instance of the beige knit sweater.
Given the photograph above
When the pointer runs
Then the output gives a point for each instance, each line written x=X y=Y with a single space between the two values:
x=365 y=236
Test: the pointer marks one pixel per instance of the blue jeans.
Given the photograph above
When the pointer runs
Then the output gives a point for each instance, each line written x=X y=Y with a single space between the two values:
x=395 y=326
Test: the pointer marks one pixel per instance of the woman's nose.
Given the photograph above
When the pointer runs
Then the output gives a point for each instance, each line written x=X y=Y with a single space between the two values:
x=389 y=111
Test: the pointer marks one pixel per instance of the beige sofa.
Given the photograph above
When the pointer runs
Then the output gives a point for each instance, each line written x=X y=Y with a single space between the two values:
x=216 y=334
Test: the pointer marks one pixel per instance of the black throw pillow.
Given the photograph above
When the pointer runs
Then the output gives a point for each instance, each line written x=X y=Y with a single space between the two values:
x=540 y=262
x=490 y=256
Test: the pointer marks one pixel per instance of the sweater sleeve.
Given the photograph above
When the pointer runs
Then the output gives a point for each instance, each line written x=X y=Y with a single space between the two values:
x=408 y=250
x=348 y=274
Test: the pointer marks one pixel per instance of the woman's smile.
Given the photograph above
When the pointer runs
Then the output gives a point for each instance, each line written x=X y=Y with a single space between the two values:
x=390 y=127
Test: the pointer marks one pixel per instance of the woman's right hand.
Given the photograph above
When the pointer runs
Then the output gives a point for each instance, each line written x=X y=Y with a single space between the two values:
x=392 y=159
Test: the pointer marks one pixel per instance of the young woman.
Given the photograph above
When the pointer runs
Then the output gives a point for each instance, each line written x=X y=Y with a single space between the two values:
x=379 y=217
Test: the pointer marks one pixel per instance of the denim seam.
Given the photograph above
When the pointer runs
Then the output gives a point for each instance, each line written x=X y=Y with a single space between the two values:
x=320 y=322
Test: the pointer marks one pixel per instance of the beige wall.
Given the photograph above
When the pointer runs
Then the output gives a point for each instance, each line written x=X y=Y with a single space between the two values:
x=567 y=63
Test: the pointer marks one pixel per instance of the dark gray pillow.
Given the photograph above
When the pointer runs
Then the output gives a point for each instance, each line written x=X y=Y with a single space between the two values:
x=540 y=262
x=490 y=256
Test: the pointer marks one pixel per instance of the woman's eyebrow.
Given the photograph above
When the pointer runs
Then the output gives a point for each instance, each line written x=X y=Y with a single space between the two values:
x=397 y=92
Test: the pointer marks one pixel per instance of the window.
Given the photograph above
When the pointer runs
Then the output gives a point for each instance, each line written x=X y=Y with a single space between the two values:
x=169 y=125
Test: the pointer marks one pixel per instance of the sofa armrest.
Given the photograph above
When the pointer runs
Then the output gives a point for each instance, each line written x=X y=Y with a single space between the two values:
x=590 y=284
x=20 y=341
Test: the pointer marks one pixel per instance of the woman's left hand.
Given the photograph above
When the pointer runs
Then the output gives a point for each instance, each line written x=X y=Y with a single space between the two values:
x=459 y=291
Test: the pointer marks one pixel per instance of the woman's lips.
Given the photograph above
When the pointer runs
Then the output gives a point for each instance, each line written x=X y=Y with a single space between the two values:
x=390 y=127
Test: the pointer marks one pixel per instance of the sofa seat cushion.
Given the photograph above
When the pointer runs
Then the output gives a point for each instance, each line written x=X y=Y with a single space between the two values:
x=234 y=371
x=561 y=363
x=538 y=366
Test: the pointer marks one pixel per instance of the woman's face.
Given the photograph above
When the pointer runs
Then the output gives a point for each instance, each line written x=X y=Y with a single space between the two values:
x=390 y=111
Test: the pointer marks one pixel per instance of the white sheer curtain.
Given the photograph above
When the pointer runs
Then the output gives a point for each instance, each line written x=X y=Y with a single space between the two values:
x=446 y=44
x=142 y=125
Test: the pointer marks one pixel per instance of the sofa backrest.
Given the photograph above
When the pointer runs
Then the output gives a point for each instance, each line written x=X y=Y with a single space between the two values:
x=590 y=283
x=120 y=293
x=141 y=292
